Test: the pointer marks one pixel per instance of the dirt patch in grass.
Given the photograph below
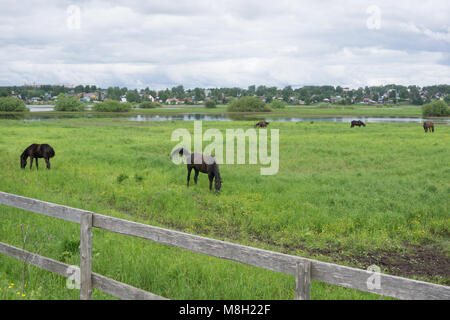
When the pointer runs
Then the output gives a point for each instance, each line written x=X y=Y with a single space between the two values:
x=427 y=262
x=413 y=261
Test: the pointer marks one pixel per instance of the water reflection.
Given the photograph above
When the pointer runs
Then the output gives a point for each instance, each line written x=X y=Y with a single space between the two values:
x=32 y=116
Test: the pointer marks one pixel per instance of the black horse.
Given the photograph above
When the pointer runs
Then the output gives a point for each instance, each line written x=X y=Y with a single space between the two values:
x=261 y=124
x=428 y=125
x=36 y=151
x=201 y=163
x=358 y=123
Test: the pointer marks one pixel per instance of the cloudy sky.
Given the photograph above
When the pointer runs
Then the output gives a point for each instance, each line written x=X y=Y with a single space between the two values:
x=218 y=43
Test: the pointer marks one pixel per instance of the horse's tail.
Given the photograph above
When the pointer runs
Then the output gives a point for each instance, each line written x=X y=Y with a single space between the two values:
x=181 y=152
x=51 y=152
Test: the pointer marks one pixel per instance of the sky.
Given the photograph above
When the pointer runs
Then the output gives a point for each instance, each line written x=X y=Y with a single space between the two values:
x=218 y=43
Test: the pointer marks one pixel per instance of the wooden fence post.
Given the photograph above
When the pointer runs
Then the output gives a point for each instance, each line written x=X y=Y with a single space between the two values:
x=86 y=256
x=303 y=281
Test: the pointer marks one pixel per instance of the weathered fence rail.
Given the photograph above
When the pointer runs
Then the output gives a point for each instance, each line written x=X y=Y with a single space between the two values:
x=303 y=269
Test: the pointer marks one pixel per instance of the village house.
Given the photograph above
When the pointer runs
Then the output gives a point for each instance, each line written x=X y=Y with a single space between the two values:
x=172 y=101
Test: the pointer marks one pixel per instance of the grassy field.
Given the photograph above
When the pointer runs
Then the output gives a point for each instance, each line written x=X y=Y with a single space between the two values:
x=362 y=196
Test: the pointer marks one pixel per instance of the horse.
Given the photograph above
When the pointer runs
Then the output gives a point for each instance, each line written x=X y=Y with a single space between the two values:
x=201 y=163
x=358 y=123
x=36 y=151
x=428 y=125
x=261 y=124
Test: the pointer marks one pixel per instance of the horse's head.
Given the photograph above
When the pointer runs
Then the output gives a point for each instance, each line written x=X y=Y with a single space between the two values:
x=218 y=185
x=23 y=161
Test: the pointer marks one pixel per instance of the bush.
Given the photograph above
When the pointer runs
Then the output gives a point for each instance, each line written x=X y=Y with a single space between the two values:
x=210 y=104
x=149 y=105
x=112 y=106
x=68 y=103
x=248 y=104
x=436 y=109
x=12 y=104
x=277 y=104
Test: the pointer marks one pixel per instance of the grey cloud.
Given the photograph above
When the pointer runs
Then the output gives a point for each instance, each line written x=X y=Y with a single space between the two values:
x=224 y=43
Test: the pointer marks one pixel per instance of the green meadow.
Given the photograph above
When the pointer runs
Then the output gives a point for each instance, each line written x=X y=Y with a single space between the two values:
x=357 y=197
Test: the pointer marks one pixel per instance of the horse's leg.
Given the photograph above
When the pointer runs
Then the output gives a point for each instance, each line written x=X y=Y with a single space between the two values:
x=31 y=162
x=189 y=175
x=37 y=165
x=47 y=161
x=211 y=177
x=196 y=175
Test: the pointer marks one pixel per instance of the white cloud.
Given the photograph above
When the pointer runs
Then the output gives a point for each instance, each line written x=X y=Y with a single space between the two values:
x=224 y=43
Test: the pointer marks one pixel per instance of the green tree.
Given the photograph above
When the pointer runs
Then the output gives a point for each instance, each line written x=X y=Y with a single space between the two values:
x=112 y=106
x=248 y=104
x=68 y=103
x=287 y=93
x=210 y=104
x=4 y=93
x=436 y=108
x=178 y=92
x=415 y=96
x=12 y=104
x=277 y=104
x=447 y=99
x=132 y=96
x=251 y=91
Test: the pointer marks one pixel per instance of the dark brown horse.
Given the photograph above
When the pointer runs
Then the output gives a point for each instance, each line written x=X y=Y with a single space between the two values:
x=261 y=124
x=358 y=123
x=36 y=151
x=201 y=163
x=428 y=125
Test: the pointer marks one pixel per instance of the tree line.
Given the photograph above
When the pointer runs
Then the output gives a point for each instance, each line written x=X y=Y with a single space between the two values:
x=307 y=94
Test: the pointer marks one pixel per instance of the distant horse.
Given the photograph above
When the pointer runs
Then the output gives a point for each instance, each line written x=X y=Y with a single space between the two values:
x=201 y=163
x=428 y=125
x=261 y=124
x=358 y=123
x=36 y=151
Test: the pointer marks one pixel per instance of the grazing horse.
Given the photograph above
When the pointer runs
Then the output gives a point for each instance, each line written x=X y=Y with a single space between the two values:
x=358 y=123
x=201 y=163
x=36 y=151
x=428 y=125
x=261 y=124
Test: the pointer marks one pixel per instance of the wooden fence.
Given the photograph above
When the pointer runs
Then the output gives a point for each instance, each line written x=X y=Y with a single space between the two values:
x=303 y=269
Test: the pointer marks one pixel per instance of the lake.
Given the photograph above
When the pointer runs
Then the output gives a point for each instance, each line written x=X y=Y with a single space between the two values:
x=36 y=115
